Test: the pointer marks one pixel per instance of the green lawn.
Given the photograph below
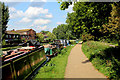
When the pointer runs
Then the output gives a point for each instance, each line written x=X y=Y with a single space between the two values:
x=105 y=58
x=55 y=68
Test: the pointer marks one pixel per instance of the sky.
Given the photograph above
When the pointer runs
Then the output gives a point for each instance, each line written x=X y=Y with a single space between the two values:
x=37 y=15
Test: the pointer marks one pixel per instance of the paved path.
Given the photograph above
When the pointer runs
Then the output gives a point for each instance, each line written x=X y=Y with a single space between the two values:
x=79 y=66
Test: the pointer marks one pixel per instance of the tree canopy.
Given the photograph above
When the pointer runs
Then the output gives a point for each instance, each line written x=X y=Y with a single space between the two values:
x=63 y=31
x=4 y=18
x=44 y=32
x=88 y=17
x=51 y=36
x=40 y=37
x=94 y=18
x=112 y=28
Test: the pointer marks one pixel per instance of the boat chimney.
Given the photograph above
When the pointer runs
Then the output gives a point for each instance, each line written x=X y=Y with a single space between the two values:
x=27 y=44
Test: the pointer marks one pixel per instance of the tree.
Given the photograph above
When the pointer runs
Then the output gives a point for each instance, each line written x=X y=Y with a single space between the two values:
x=4 y=18
x=112 y=29
x=88 y=17
x=0 y=23
x=40 y=37
x=65 y=5
x=55 y=32
x=59 y=31
x=63 y=32
x=44 y=32
x=51 y=36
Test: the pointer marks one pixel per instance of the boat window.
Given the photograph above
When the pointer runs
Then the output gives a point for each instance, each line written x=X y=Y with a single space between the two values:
x=6 y=36
x=14 y=36
x=17 y=36
x=10 y=36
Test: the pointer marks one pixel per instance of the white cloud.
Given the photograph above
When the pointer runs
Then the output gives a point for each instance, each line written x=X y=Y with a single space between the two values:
x=26 y=20
x=41 y=21
x=32 y=12
x=59 y=23
x=70 y=8
x=32 y=15
x=15 y=13
x=12 y=9
x=41 y=28
x=49 y=16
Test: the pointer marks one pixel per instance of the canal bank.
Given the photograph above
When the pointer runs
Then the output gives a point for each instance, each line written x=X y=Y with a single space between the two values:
x=78 y=65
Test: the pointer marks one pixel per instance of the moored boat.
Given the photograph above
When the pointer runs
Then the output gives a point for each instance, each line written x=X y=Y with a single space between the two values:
x=21 y=62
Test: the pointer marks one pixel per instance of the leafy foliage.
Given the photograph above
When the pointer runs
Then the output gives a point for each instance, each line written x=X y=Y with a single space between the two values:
x=112 y=29
x=44 y=32
x=4 y=18
x=87 y=37
x=40 y=37
x=88 y=17
x=64 y=5
x=105 y=58
x=63 y=32
x=51 y=36
x=72 y=42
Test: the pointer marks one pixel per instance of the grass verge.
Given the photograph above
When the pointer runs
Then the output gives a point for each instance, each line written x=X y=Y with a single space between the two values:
x=105 y=58
x=55 y=68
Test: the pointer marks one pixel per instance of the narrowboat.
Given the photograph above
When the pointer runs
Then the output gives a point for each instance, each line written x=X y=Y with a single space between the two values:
x=50 y=50
x=20 y=63
x=58 y=44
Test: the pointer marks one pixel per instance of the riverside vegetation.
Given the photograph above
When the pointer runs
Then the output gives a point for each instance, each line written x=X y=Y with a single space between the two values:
x=55 y=68
x=104 y=57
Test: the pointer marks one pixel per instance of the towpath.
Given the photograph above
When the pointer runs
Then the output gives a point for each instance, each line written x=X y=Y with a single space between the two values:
x=79 y=66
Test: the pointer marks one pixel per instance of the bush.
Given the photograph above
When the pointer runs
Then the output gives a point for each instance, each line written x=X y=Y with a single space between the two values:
x=87 y=37
x=108 y=40
x=105 y=58
x=72 y=41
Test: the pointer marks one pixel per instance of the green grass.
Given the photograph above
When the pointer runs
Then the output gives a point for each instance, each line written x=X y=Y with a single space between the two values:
x=55 y=68
x=105 y=58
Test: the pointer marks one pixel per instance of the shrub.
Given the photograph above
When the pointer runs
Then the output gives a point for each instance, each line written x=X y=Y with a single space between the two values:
x=72 y=41
x=87 y=37
x=104 y=57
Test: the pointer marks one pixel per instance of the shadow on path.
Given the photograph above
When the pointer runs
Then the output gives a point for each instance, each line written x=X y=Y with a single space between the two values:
x=86 y=61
